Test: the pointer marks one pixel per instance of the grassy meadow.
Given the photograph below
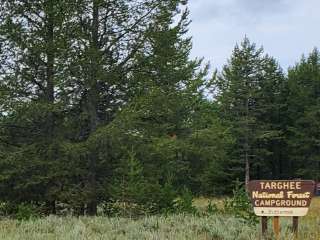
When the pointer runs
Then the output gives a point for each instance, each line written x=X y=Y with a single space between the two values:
x=175 y=227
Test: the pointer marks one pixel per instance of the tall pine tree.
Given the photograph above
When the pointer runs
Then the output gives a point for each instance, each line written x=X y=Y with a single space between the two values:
x=248 y=92
x=303 y=114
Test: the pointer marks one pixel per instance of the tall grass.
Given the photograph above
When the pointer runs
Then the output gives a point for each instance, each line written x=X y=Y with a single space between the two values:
x=157 y=227
x=175 y=227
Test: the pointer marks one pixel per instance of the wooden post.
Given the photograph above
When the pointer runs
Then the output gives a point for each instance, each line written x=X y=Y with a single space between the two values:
x=264 y=226
x=295 y=224
x=276 y=227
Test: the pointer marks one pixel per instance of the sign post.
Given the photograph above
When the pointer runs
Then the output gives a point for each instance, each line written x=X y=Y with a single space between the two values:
x=264 y=225
x=283 y=198
x=276 y=227
x=295 y=223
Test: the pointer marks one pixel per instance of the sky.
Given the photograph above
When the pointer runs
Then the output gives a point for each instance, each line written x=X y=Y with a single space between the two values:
x=285 y=28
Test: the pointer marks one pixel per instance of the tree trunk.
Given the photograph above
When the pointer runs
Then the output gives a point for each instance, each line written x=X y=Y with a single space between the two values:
x=247 y=171
x=50 y=51
x=247 y=163
x=93 y=96
x=49 y=90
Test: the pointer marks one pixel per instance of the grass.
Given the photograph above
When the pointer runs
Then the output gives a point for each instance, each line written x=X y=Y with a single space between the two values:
x=176 y=227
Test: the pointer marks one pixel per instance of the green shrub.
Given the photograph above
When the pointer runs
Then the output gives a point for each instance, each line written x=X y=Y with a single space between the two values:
x=162 y=199
x=240 y=205
x=26 y=211
x=184 y=204
x=20 y=211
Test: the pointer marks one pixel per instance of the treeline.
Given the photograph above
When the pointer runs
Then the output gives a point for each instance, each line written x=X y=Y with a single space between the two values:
x=101 y=105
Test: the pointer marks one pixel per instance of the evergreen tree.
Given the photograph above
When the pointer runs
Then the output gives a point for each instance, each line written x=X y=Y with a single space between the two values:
x=303 y=113
x=169 y=87
x=32 y=40
x=248 y=95
x=107 y=37
x=129 y=187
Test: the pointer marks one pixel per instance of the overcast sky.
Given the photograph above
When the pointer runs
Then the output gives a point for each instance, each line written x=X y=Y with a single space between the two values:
x=286 y=28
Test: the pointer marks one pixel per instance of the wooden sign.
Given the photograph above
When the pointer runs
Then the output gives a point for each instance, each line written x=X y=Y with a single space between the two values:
x=281 y=198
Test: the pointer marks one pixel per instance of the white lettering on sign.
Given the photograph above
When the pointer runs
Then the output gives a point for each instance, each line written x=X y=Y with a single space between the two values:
x=281 y=185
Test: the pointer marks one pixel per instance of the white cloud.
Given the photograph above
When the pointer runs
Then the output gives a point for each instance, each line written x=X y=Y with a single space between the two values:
x=286 y=28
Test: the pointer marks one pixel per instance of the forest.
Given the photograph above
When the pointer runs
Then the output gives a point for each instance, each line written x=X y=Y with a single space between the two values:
x=101 y=105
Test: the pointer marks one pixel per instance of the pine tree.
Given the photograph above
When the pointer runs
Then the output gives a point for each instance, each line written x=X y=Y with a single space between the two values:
x=247 y=92
x=129 y=187
x=271 y=107
x=303 y=112
x=32 y=40
x=107 y=34
x=168 y=88
x=166 y=92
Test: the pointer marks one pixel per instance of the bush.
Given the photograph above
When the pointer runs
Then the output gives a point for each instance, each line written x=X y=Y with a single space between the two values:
x=162 y=199
x=26 y=211
x=20 y=211
x=240 y=205
x=184 y=204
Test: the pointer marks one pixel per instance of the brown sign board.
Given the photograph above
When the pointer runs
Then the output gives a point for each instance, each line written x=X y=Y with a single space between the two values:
x=281 y=197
